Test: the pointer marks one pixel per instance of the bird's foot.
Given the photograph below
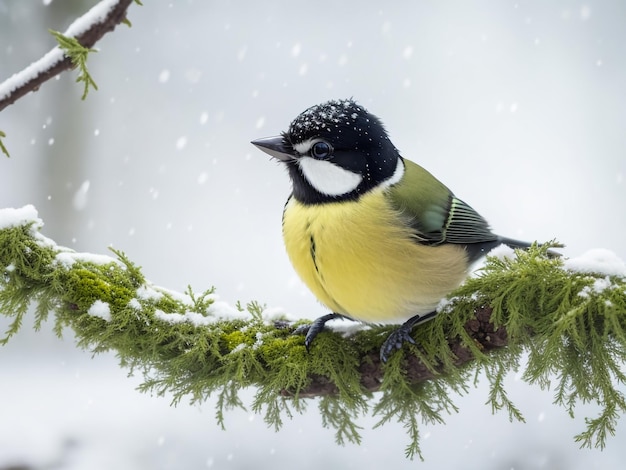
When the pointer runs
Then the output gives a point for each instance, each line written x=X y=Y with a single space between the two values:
x=402 y=335
x=395 y=341
x=312 y=330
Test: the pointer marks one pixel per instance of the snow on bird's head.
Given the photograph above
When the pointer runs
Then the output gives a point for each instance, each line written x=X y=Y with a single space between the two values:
x=336 y=120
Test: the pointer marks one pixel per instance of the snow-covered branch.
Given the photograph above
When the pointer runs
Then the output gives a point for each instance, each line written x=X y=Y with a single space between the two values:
x=567 y=316
x=87 y=30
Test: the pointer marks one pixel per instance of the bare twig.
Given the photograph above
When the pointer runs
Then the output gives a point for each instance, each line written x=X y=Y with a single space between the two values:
x=55 y=62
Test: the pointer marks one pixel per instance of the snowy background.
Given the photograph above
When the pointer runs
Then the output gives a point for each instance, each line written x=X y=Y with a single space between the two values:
x=519 y=107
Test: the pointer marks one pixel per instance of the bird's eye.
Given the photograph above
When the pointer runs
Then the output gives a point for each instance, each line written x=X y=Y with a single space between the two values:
x=320 y=150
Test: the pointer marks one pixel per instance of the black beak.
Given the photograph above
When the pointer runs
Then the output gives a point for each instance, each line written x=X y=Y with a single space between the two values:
x=275 y=146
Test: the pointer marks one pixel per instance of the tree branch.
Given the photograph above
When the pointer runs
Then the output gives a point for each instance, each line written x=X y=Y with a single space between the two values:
x=567 y=316
x=87 y=30
x=479 y=328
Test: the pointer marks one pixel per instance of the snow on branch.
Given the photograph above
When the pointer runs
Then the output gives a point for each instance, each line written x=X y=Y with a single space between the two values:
x=566 y=317
x=82 y=34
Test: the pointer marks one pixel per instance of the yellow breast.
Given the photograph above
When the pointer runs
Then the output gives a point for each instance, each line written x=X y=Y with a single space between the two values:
x=360 y=259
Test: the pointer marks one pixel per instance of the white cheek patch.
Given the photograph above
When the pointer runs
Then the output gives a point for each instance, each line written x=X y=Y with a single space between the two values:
x=396 y=177
x=328 y=178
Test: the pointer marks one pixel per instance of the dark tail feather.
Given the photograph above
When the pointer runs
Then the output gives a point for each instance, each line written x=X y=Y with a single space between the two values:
x=525 y=245
x=475 y=251
x=514 y=243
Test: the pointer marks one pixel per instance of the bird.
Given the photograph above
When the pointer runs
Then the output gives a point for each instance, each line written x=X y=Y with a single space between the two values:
x=374 y=236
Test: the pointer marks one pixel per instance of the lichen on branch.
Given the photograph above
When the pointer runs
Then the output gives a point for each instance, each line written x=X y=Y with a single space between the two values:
x=569 y=319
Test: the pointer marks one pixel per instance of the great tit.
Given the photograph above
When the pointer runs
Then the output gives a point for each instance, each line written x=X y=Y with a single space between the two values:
x=375 y=237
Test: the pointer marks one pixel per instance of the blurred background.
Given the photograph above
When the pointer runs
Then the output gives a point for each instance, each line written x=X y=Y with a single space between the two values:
x=519 y=107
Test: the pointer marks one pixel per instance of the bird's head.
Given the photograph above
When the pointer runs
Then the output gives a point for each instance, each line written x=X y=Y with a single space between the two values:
x=335 y=151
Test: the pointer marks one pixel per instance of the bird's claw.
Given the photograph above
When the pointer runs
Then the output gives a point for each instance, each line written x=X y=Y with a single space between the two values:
x=312 y=330
x=395 y=341
x=403 y=335
x=302 y=330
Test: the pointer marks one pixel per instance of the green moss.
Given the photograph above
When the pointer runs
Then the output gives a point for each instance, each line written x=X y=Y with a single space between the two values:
x=85 y=285
x=236 y=339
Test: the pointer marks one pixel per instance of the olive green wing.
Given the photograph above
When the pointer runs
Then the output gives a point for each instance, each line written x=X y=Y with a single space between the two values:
x=434 y=212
